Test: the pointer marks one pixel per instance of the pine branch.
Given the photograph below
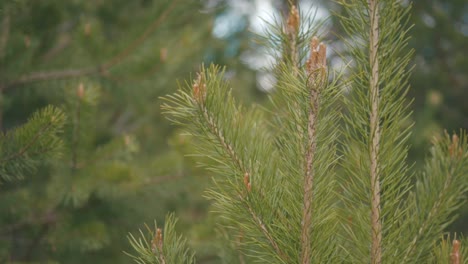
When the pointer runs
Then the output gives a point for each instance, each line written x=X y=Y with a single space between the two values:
x=199 y=90
x=378 y=179
x=304 y=118
x=445 y=175
x=34 y=141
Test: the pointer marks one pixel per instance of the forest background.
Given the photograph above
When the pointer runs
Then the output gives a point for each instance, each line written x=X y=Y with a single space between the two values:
x=88 y=74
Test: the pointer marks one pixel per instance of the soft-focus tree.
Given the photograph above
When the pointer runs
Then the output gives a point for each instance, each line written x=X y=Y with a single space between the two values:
x=85 y=154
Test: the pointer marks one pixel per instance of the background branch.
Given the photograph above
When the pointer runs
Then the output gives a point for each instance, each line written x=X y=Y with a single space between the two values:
x=101 y=70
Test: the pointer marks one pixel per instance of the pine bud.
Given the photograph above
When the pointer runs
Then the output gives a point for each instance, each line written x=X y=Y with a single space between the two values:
x=293 y=21
x=27 y=41
x=163 y=54
x=87 y=29
x=199 y=89
x=157 y=242
x=316 y=65
x=247 y=181
x=80 y=91
x=455 y=255
x=455 y=151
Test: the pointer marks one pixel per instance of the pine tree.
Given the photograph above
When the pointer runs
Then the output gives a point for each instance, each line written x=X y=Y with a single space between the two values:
x=76 y=82
x=302 y=188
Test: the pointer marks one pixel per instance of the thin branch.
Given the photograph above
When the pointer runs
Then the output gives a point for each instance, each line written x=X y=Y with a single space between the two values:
x=219 y=135
x=76 y=129
x=5 y=34
x=376 y=225
x=49 y=217
x=54 y=75
x=95 y=70
x=265 y=232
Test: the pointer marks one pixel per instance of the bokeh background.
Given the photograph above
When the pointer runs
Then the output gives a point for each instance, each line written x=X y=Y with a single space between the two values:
x=107 y=62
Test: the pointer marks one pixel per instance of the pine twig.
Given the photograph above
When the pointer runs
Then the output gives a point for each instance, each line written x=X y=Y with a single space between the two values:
x=316 y=68
x=455 y=255
x=5 y=34
x=76 y=128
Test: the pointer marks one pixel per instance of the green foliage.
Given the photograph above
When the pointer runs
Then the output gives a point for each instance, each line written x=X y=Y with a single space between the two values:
x=23 y=148
x=165 y=246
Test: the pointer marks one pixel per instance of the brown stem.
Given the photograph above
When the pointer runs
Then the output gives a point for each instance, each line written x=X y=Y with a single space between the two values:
x=76 y=129
x=376 y=225
x=5 y=34
x=306 y=224
x=316 y=69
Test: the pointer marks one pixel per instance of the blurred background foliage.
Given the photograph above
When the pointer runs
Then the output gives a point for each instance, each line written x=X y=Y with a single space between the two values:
x=106 y=62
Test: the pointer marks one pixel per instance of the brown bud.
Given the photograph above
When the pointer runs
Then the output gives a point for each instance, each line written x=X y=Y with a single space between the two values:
x=455 y=151
x=157 y=242
x=322 y=55
x=27 y=41
x=316 y=65
x=249 y=187
x=455 y=255
x=80 y=91
x=293 y=21
x=87 y=29
x=199 y=89
x=314 y=43
x=163 y=54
